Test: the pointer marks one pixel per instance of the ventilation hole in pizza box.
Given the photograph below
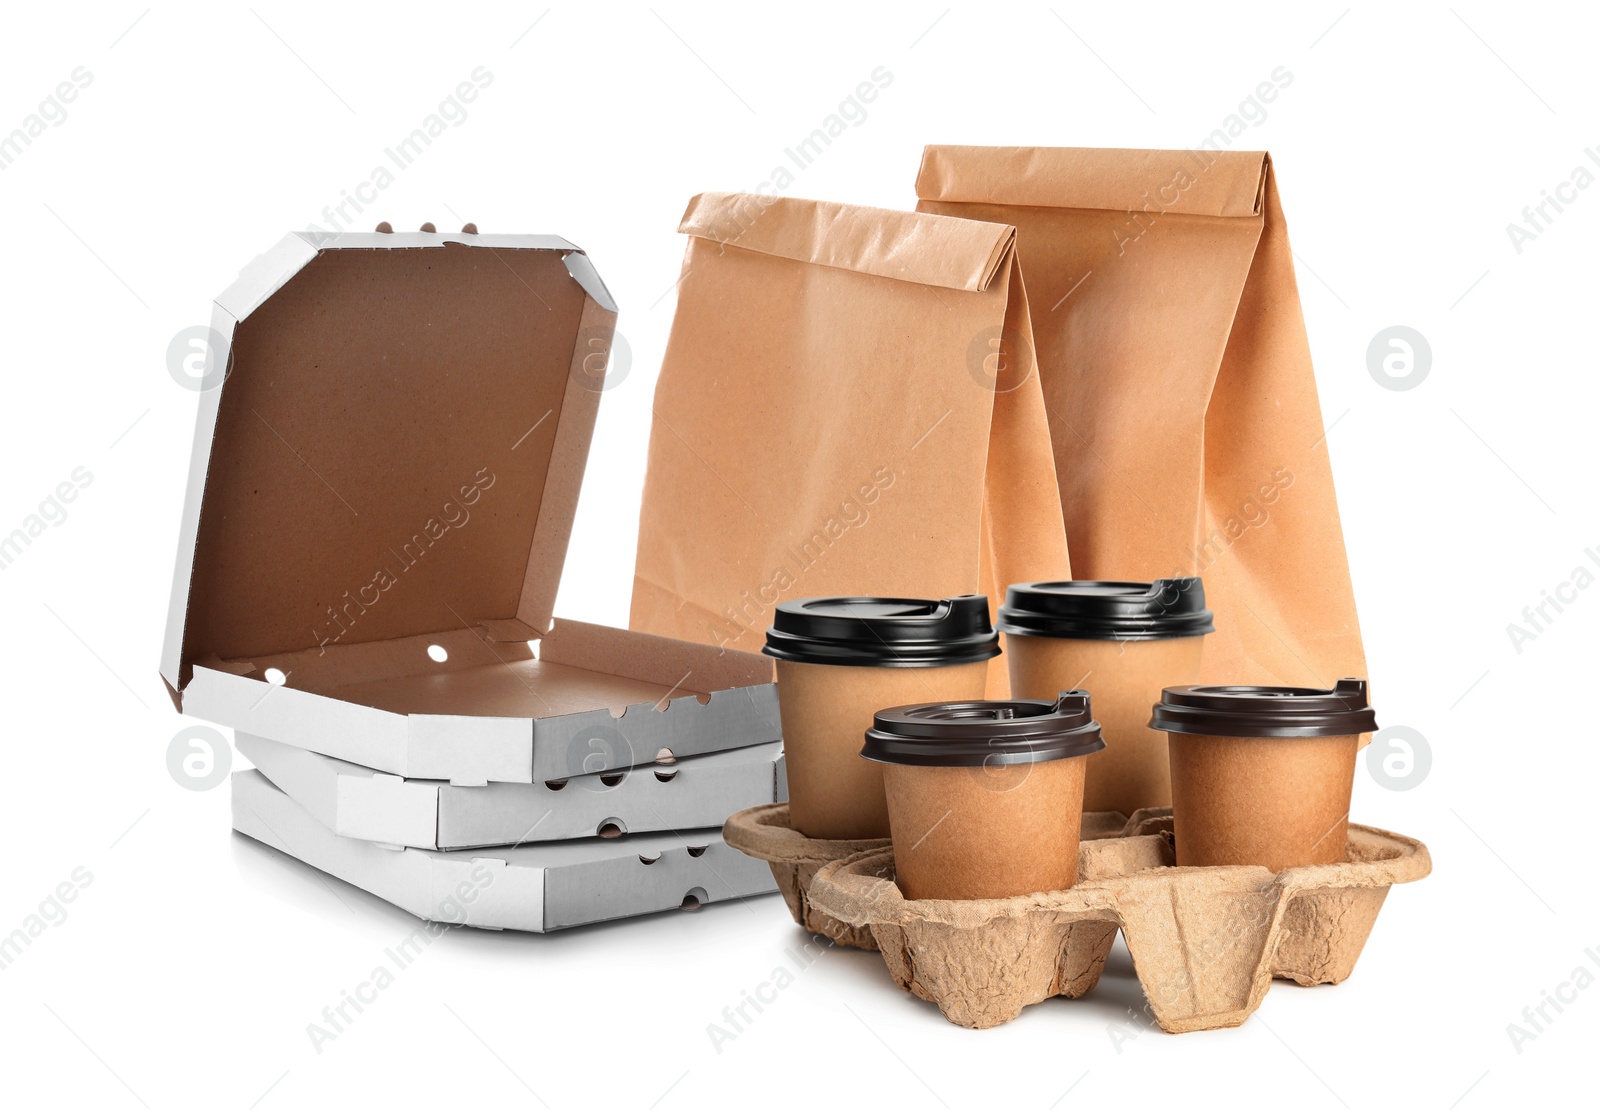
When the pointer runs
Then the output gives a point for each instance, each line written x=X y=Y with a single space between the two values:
x=611 y=780
x=437 y=654
x=666 y=774
x=694 y=898
x=696 y=851
x=649 y=859
x=611 y=828
x=555 y=785
x=275 y=676
x=664 y=756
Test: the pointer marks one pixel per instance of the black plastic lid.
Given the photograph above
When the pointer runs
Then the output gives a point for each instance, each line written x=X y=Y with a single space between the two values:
x=1266 y=712
x=883 y=632
x=985 y=733
x=1107 y=611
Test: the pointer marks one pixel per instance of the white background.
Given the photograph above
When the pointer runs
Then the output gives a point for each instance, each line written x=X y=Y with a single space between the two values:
x=184 y=977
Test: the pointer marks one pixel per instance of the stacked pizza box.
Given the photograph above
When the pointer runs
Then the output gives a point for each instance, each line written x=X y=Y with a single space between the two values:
x=386 y=468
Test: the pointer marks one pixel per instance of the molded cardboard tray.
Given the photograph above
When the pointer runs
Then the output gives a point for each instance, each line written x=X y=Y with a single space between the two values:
x=1206 y=941
x=532 y=888
x=361 y=803
x=764 y=832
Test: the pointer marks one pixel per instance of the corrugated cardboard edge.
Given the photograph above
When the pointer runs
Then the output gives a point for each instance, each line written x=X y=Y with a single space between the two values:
x=261 y=279
x=223 y=322
x=470 y=750
x=523 y=897
x=929 y=249
x=464 y=749
x=358 y=802
x=390 y=809
x=1214 y=183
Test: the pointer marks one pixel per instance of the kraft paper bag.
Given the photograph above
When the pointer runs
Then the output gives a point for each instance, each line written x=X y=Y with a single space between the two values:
x=1177 y=379
x=840 y=411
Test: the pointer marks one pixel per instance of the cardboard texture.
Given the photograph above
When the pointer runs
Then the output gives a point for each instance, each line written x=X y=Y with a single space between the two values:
x=538 y=887
x=838 y=412
x=357 y=802
x=825 y=709
x=1110 y=824
x=764 y=833
x=1125 y=678
x=1271 y=802
x=1177 y=379
x=1206 y=942
x=989 y=831
x=380 y=499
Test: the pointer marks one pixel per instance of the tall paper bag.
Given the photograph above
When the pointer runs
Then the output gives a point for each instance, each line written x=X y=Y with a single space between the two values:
x=1177 y=379
x=839 y=411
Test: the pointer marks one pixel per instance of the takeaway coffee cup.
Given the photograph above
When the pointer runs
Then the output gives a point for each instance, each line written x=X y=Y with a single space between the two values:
x=1261 y=776
x=840 y=660
x=1122 y=642
x=985 y=798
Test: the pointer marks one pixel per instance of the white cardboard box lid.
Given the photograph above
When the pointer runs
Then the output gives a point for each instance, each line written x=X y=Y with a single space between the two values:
x=361 y=803
x=534 y=888
x=374 y=382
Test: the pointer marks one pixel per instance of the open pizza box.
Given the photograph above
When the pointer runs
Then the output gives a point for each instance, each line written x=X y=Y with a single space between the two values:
x=380 y=499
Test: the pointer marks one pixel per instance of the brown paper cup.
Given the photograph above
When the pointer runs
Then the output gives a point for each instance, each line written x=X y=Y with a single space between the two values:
x=1273 y=802
x=986 y=832
x=1261 y=774
x=1123 y=642
x=824 y=710
x=1125 y=678
x=985 y=798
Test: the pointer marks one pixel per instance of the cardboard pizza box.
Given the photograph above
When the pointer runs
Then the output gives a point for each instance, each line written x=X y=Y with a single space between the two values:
x=537 y=887
x=382 y=489
x=356 y=802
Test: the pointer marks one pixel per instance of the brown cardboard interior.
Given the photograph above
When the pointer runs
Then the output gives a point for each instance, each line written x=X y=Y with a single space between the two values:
x=381 y=452
x=580 y=667
x=392 y=473
x=516 y=689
